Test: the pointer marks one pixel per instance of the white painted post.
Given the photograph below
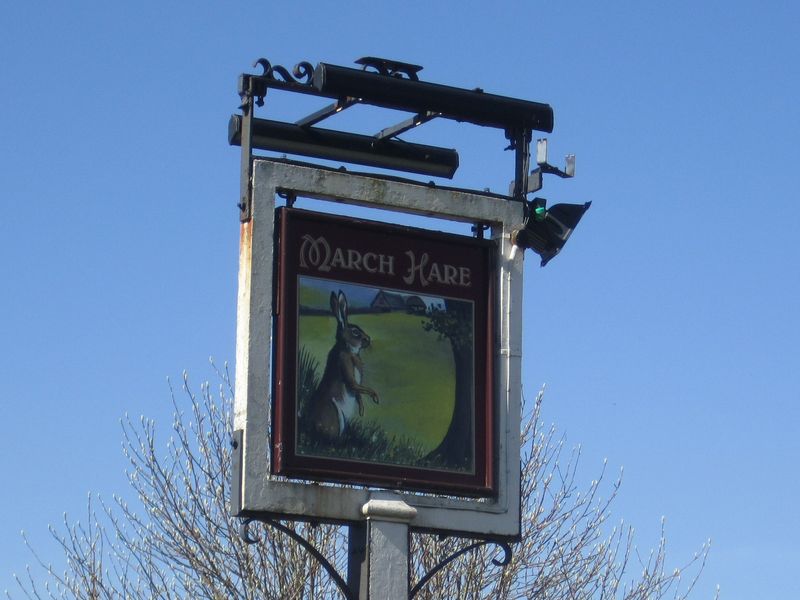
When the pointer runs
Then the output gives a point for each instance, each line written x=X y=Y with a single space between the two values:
x=387 y=547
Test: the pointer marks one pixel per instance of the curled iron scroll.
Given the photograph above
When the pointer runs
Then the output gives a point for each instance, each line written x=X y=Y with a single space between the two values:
x=302 y=72
x=507 y=555
x=244 y=533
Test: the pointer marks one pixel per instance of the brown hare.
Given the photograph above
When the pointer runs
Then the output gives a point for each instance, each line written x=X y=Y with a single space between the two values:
x=338 y=396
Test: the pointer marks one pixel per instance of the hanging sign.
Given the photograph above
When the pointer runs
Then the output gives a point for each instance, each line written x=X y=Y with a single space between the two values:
x=383 y=355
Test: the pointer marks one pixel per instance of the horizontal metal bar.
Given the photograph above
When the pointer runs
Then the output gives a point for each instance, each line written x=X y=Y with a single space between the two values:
x=406 y=125
x=473 y=106
x=327 y=111
x=259 y=85
x=346 y=147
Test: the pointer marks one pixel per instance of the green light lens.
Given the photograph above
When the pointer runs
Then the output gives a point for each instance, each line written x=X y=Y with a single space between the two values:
x=539 y=209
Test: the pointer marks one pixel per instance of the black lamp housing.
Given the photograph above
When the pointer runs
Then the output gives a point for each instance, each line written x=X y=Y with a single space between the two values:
x=278 y=136
x=546 y=236
x=470 y=106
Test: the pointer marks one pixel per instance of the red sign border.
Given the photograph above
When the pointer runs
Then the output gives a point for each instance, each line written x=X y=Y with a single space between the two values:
x=285 y=462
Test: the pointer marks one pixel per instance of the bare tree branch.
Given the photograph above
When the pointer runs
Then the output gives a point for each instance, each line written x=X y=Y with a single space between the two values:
x=173 y=537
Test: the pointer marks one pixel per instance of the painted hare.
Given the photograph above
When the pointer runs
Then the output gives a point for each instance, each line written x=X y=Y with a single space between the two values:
x=338 y=395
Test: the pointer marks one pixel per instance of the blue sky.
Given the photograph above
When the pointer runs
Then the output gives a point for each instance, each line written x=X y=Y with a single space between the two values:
x=666 y=331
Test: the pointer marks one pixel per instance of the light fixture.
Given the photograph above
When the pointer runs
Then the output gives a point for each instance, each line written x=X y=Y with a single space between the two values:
x=328 y=144
x=547 y=230
x=471 y=106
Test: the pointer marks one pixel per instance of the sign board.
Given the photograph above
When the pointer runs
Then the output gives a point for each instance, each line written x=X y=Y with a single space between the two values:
x=323 y=298
x=383 y=368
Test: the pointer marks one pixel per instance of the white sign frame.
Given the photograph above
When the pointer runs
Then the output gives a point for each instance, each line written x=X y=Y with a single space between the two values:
x=255 y=491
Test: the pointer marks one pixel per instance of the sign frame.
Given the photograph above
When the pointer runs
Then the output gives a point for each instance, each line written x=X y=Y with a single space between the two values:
x=257 y=491
x=428 y=361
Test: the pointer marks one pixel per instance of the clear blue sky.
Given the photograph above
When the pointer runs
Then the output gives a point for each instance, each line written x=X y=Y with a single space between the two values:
x=666 y=331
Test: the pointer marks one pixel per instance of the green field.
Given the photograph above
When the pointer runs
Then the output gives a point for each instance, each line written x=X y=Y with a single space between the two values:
x=410 y=368
x=311 y=296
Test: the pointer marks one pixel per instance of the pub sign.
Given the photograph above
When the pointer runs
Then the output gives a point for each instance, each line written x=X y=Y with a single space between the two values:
x=383 y=355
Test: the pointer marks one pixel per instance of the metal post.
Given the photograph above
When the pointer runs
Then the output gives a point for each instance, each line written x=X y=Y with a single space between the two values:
x=246 y=166
x=387 y=549
x=520 y=142
x=357 y=565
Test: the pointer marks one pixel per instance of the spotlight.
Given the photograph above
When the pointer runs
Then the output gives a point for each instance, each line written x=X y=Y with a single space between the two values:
x=346 y=147
x=547 y=230
x=406 y=94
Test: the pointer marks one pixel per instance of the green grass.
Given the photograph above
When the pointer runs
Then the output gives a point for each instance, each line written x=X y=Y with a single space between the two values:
x=410 y=368
x=364 y=442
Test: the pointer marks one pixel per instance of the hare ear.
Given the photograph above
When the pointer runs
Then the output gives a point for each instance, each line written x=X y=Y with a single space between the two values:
x=342 y=308
x=334 y=305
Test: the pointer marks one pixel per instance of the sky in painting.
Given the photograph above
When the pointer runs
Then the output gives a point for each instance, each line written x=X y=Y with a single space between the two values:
x=666 y=331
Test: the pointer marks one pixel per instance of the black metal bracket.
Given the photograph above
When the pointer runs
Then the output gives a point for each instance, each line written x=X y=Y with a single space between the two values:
x=534 y=179
x=545 y=167
x=237 y=453
x=387 y=84
x=327 y=111
x=478 y=229
x=507 y=556
x=390 y=68
x=520 y=142
x=244 y=533
x=247 y=93
x=289 y=196
x=406 y=125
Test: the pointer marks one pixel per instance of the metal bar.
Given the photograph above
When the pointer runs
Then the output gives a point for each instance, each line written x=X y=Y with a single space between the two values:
x=246 y=163
x=473 y=106
x=261 y=84
x=357 y=563
x=327 y=111
x=347 y=147
x=520 y=142
x=237 y=443
x=565 y=174
x=404 y=126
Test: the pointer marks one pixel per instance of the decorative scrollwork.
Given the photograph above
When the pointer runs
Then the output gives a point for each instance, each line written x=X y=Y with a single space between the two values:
x=302 y=72
x=507 y=555
x=390 y=68
x=244 y=533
